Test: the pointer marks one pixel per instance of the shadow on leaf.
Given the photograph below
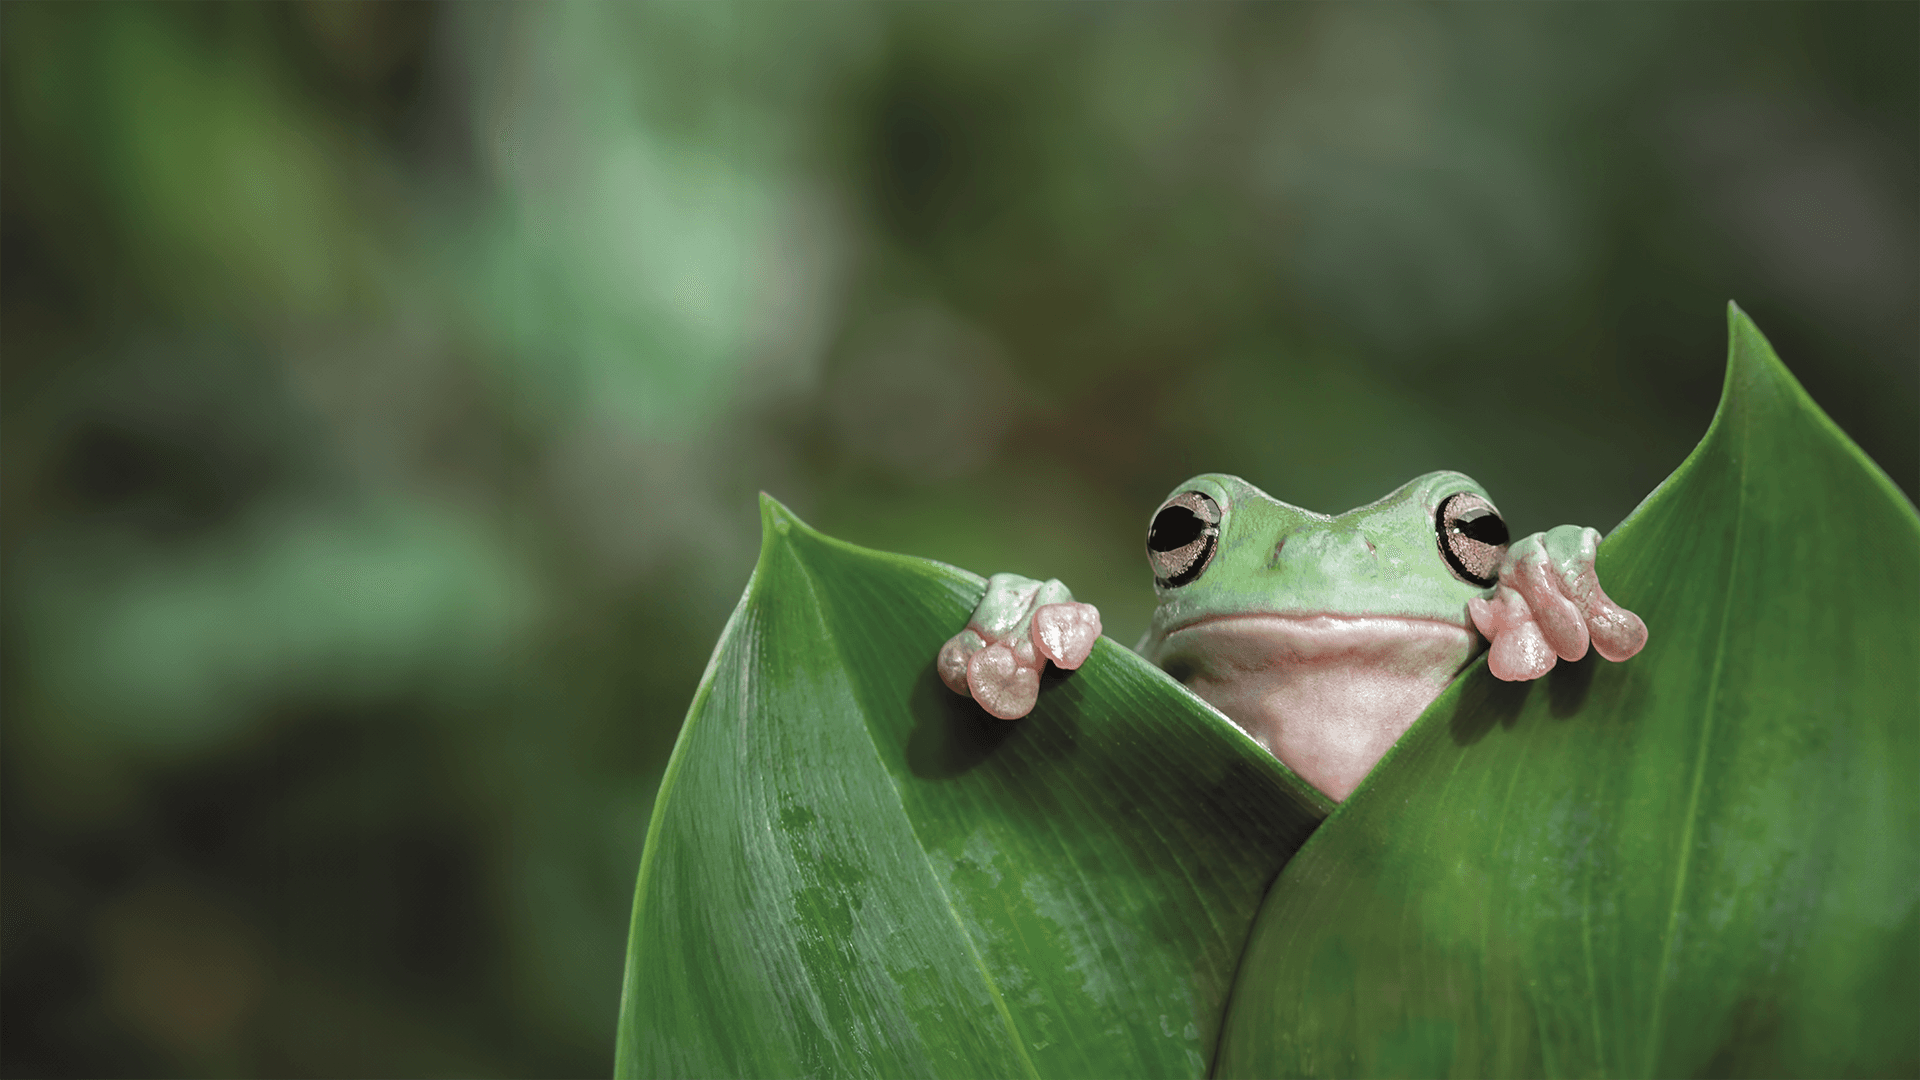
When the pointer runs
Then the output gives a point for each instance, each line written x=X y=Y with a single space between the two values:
x=1484 y=703
x=951 y=734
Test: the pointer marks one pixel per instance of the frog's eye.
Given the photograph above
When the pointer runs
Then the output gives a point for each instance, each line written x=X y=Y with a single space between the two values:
x=1472 y=538
x=1181 y=540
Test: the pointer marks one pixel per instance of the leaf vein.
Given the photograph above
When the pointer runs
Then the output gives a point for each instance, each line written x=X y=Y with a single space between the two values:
x=946 y=897
x=1691 y=818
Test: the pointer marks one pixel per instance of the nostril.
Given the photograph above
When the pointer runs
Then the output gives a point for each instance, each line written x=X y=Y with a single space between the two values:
x=1275 y=561
x=1371 y=550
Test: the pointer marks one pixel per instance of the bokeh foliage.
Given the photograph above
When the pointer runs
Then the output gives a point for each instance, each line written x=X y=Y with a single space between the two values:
x=384 y=390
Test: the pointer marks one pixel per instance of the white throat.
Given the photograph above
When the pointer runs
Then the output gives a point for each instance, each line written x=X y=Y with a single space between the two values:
x=1326 y=694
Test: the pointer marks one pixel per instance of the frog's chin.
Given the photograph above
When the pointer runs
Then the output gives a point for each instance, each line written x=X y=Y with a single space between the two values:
x=1326 y=694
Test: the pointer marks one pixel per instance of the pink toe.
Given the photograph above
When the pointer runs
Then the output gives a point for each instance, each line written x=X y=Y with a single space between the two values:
x=1617 y=632
x=954 y=655
x=1520 y=654
x=1564 y=631
x=1065 y=633
x=1002 y=685
x=1486 y=618
x=1506 y=611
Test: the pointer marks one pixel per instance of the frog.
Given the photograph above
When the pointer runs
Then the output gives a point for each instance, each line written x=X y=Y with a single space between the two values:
x=1322 y=636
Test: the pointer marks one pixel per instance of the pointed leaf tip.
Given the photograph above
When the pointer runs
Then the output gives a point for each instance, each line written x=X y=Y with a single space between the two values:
x=777 y=524
x=1758 y=390
x=1747 y=346
x=1761 y=386
x=1752 y=360
x=776 y=519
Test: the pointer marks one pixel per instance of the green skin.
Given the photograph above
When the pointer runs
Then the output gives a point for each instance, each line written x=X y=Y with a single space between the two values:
x=1323 y=637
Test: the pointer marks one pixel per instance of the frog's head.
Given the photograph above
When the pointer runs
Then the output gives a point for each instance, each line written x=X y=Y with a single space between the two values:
x=1220 y=547
x=1322 y=636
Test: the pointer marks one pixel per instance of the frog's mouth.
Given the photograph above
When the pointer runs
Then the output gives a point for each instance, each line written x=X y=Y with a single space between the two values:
x=1295 y=636
x=1327 y=694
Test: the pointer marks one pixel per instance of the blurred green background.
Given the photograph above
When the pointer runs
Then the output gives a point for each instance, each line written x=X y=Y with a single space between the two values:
x=386 y=389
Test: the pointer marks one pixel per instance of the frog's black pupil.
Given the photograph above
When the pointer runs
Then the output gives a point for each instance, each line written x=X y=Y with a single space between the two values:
x=1485 y=527
x=1174 y=528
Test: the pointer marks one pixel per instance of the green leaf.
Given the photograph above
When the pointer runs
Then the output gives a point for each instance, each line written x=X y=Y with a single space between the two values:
x=1703 y=861
x=853 y=871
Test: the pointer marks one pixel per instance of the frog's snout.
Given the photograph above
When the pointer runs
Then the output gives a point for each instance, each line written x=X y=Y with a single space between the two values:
x=1318 y=549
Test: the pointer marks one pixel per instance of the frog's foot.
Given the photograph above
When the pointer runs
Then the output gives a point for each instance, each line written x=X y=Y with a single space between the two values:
x=1550 y=605
x=1019 y=626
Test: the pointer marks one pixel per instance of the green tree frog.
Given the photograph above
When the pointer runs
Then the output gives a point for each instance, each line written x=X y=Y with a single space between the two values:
x=1323 y=637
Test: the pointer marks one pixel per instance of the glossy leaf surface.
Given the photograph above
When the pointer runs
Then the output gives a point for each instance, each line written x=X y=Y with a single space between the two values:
x=852 y=871
x=1704 y=861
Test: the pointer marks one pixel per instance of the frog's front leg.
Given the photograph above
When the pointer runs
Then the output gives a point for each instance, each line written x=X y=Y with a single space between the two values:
x=1550 y=604
x=1019 y=626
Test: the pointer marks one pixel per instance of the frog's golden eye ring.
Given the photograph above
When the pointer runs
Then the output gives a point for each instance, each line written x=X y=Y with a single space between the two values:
x=1472 y=538
x=1181 y=540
